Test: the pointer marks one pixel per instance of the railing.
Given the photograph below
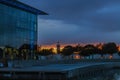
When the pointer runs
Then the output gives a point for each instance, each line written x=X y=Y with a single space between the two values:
x=27 y=63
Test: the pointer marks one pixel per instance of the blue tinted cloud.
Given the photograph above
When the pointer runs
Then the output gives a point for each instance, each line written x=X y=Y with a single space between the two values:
x=78 y=20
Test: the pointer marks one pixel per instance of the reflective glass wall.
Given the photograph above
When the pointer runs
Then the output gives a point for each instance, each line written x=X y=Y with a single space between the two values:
x=17 y=27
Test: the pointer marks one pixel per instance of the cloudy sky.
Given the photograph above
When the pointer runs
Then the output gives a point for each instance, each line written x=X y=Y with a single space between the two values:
x=78 y=21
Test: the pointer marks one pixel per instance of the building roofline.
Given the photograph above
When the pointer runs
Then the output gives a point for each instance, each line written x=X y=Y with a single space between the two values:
x=20 y=5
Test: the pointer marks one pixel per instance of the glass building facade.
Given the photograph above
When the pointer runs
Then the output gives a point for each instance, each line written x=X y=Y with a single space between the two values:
x=17 y=27
x=18 y=24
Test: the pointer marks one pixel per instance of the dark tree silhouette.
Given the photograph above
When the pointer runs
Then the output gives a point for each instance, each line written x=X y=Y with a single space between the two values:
x=8 y=52
x=26 y=50
x=28 y=46
x=89 y=50
x=101 y=53
x=78 y=48
x=1 y=53
x=25 y=46
x=67 y=50
x=46 y=52
x=109 y=48
x=84 y=52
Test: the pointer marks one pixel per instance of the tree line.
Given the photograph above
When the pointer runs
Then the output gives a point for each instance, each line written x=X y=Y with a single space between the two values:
x=25 y=52
x=85 y=51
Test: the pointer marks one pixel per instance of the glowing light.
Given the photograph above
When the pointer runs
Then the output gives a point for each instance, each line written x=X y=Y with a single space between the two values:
x=76 y=57
x=110 y=57
x=118 y=48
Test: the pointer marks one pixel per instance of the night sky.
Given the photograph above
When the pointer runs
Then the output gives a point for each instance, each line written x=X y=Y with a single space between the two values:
x=78 y=21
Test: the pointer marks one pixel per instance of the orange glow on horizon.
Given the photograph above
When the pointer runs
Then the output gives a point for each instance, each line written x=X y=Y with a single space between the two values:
x=63 y=45
x=118 y=48
x=98 y=44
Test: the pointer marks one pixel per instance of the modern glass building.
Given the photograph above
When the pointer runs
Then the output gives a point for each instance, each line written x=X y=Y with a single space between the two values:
x=18 y=23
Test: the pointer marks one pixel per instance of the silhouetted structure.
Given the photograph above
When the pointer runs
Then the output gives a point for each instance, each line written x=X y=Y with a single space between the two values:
x=58 y=47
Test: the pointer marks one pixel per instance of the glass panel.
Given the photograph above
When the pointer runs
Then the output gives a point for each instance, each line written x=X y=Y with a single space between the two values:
x=17 y=26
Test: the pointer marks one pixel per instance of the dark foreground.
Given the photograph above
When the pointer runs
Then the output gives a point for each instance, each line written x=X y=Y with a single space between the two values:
x=113 y=74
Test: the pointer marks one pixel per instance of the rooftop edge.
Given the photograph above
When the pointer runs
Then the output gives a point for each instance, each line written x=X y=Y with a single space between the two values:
x=20 y=5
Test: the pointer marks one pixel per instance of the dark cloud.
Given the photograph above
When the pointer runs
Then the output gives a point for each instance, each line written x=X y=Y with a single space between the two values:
x=78 y=20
